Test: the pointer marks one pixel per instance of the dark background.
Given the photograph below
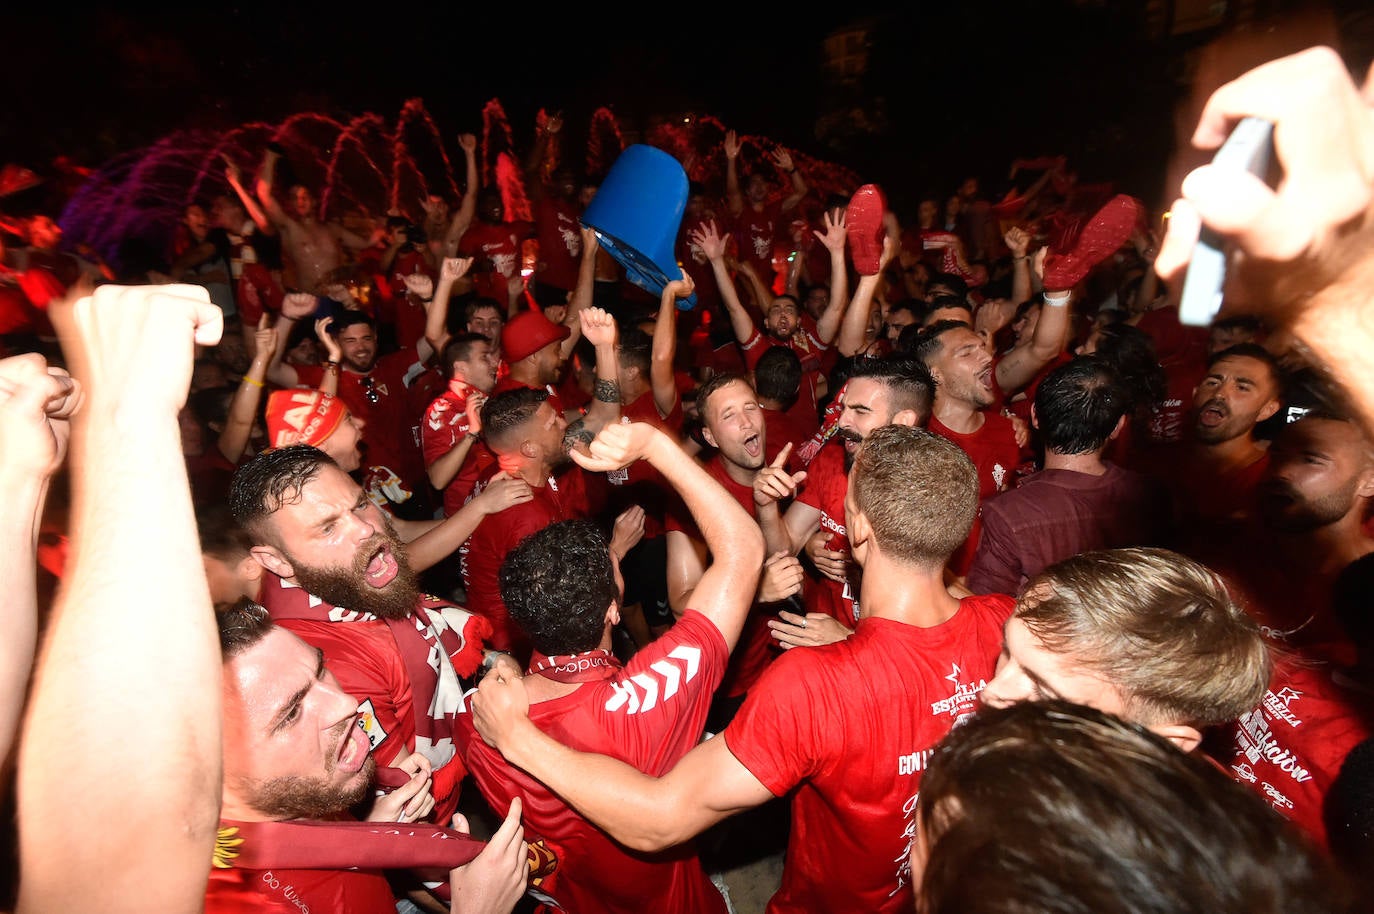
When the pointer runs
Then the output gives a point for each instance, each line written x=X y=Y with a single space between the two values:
x=952 y=89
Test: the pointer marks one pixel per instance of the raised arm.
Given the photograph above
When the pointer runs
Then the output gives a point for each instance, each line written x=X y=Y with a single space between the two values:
x=1017 y=240
x=36 y=402
x=854 y=328
x=462 y=219
x=664 y=349
x=783 y=159
x=583 y=293
x=734 y=195
x=250 y=203
x=122 y=640
x=430 y=542
x=1018 y=368
x=266 y=177
x=599 y=327
x=712 y=244
x=294 y=306
x=243 y=409
x=436 y=312
x=834 y=240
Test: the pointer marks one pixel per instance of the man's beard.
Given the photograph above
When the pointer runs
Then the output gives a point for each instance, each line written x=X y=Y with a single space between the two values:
x=297 y=797
x=1311 y=514
x=848 y=434
x=345 y=587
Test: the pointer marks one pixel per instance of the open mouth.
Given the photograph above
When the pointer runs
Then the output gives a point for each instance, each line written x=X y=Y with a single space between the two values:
x=1211 y=416
x=354 y=747
x=753 y=446
x=382 y=569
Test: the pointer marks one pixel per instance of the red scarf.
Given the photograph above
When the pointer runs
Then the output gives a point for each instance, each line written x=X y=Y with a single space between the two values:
x=587 y=666
x=459 y=634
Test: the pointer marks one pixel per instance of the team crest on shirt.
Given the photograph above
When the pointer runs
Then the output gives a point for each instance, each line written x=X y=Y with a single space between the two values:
x=999 y=476
x=368 y=721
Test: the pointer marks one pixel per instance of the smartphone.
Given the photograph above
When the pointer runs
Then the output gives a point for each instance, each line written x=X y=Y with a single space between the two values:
x=1251 y=147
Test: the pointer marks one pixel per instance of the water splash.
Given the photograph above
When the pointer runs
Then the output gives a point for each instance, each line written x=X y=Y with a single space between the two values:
x=128 y=210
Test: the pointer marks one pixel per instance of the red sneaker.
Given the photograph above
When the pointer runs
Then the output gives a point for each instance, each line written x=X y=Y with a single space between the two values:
x=1104 y=234
x=863 y=220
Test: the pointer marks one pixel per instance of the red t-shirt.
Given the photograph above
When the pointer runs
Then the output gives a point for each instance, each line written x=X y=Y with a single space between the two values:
x=996 y=455
x=497 y=245
x=558 y=228
x=1208 y=505
x=754 y=651
x=648 y=714
x=782 y=427
x=824 y=489
x=754 y=233
x=240 y=891
x=1290 y=748
x=445 y=425
x=887 y=694
x=562 y=497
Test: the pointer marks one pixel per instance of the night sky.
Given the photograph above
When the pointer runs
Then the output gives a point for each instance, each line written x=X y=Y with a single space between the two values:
x=959 y=88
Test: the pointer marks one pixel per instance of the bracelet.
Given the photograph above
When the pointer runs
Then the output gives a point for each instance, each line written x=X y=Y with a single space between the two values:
x=1021 y=258
x=248 y=380
x=788 y=170
x=473 y=436
x=1058 y=301
x=331 y=366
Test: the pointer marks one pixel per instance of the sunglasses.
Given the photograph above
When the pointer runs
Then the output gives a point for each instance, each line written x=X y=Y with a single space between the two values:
x=370 y=393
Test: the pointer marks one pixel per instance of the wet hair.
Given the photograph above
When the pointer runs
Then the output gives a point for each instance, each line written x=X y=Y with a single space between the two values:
x=716 y=382
x=1054 y=807
x=1254 y=351
x=459 y=348
x=919 y=492
x=506 y=412
x=940 y=303
x=1078 y=405
x=927 y=344
x=269 y=480
x=1131 y=353
x=778 y=375
x=242 y=624
x=557 y=584
x=909 y=383
x=1160 y=627
x=479 y=303
x=636 y=349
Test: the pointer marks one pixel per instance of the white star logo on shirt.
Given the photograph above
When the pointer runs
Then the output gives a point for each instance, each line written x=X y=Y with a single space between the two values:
x=954 y=675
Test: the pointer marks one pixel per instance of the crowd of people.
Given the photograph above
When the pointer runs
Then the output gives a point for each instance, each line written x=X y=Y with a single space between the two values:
x=946 y=532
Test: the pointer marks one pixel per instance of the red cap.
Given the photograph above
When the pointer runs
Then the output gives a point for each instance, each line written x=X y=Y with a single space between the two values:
x=527 y=333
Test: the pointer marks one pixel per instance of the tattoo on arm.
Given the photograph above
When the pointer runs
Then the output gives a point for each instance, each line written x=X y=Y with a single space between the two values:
x=606 y=391
x=577 y=432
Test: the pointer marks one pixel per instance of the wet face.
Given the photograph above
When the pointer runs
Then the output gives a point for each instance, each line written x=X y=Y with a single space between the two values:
x=734 y=424
x=781 y=321
x=358 y=344
x=486 y=321
x=867 y=406
x=1029 y=671
x=302 y=202
x=344 y=444
x=341 y=547
x=1237 y=392
x=546 y=435
x=293 y=746
x=479 y=368
x=1320 y=471
x=963 y=369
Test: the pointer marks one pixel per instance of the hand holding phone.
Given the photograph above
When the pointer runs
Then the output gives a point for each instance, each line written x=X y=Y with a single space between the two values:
x=1250 y=147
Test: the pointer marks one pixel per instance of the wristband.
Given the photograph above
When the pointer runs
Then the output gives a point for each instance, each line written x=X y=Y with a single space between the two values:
x=1058 y=301
x=331 y=366
x=248 y=380
x=473 y=436
x=1021 y=258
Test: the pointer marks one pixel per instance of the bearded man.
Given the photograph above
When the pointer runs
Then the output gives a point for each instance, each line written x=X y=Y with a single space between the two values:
x=338 y=576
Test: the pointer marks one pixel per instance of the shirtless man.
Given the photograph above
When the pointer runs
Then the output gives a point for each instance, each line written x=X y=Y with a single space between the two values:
x=311 y=248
